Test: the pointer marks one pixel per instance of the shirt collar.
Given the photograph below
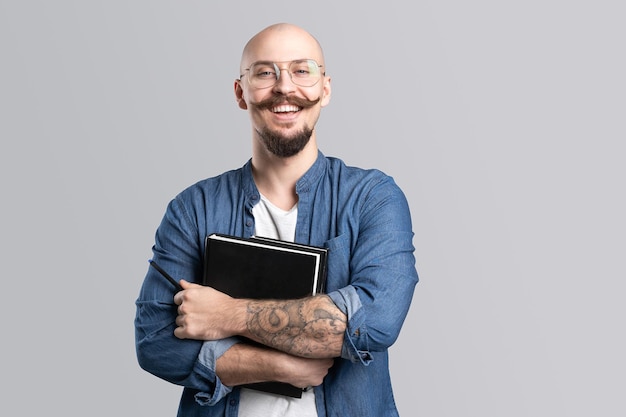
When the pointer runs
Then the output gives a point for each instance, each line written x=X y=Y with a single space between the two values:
x=303 y=185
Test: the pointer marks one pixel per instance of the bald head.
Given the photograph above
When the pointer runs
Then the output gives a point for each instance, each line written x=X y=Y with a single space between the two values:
x=281 y=42
x=283 y=116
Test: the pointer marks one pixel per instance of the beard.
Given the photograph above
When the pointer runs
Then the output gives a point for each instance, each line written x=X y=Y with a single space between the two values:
x=278 y=144
x=283 y=146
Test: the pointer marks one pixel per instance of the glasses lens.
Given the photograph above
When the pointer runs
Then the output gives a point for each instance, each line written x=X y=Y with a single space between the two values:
x=305 y=73
x=262 y=74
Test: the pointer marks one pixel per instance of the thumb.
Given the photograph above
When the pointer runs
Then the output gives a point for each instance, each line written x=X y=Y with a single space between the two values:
x=187 y=285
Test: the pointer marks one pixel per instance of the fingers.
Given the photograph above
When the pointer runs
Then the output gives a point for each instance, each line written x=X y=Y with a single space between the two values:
x=178 y=297
x=202 y=312
x=185 y=326
x=180 y=333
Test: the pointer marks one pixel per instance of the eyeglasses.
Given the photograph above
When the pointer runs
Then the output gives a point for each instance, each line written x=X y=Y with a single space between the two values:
x=265 y=74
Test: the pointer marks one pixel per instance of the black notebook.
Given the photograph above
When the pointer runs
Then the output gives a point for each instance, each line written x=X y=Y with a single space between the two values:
x=264 y=268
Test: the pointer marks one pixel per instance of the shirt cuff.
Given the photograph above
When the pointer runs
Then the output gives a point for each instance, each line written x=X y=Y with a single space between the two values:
x=210 y=352
x=355 y=347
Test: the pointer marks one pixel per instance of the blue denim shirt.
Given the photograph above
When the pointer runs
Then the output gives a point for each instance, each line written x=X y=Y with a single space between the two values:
x=361 y=216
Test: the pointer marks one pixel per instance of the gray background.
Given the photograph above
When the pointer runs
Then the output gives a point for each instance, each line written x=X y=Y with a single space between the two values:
x=503 y=121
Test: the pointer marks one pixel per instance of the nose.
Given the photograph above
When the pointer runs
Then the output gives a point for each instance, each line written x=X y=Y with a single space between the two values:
x=283 y=84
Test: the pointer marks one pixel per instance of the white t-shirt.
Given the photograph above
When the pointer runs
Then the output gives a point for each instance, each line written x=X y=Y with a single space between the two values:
x=273 y=222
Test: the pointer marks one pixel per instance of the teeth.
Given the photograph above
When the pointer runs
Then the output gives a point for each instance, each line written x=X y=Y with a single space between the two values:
x=285 y=108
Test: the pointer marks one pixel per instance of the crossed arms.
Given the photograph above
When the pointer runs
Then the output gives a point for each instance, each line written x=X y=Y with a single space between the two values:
x=298 y=338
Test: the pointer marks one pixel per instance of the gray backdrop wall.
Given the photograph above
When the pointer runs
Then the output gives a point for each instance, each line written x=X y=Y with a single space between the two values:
x=503 y=121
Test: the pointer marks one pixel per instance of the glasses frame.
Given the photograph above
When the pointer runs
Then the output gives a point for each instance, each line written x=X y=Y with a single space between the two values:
x=279 y=70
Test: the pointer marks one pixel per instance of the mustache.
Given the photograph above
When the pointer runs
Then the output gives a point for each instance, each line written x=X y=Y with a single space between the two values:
x=276 y=100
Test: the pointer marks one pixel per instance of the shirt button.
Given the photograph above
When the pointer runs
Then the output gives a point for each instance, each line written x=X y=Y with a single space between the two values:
x=233 y=403
x=249 y=223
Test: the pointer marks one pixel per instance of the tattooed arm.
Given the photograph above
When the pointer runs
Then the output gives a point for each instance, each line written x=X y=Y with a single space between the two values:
x=311 y=327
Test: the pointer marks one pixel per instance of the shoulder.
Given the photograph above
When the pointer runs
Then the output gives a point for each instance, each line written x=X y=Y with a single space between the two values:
x=226 y=182
x=366 y=189
x=210 y=195
x=353 y=176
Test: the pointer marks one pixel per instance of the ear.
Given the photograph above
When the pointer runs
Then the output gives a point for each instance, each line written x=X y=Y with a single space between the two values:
x=326 y=91
x=239 y=95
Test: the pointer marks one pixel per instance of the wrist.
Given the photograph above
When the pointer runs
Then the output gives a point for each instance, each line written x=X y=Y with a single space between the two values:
x=236 y=318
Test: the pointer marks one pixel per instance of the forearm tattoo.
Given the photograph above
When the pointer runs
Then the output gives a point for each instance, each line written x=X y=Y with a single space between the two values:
x=311 y=327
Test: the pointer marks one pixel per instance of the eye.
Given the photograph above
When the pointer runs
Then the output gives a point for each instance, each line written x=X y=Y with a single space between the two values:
x=304 y=69
x=265 y=73
x=301 y=70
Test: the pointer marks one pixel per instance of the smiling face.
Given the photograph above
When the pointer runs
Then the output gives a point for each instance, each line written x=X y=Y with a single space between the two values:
x=284 y=115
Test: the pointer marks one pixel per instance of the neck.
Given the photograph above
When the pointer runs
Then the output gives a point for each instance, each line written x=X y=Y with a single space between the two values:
x=276 y=177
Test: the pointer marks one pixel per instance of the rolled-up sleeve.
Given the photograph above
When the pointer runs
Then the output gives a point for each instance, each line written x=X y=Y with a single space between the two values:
x=209 y=354
x=349 y=303
x=189 y=363
x=382 y=274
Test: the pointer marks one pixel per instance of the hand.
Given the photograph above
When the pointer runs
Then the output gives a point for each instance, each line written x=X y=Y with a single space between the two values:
x=205 y=313
x=305 y=372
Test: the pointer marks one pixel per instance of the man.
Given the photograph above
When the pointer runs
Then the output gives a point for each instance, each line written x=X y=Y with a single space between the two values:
x=336 y=343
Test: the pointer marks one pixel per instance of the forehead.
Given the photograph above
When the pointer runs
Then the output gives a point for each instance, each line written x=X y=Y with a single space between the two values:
x=281 y=45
